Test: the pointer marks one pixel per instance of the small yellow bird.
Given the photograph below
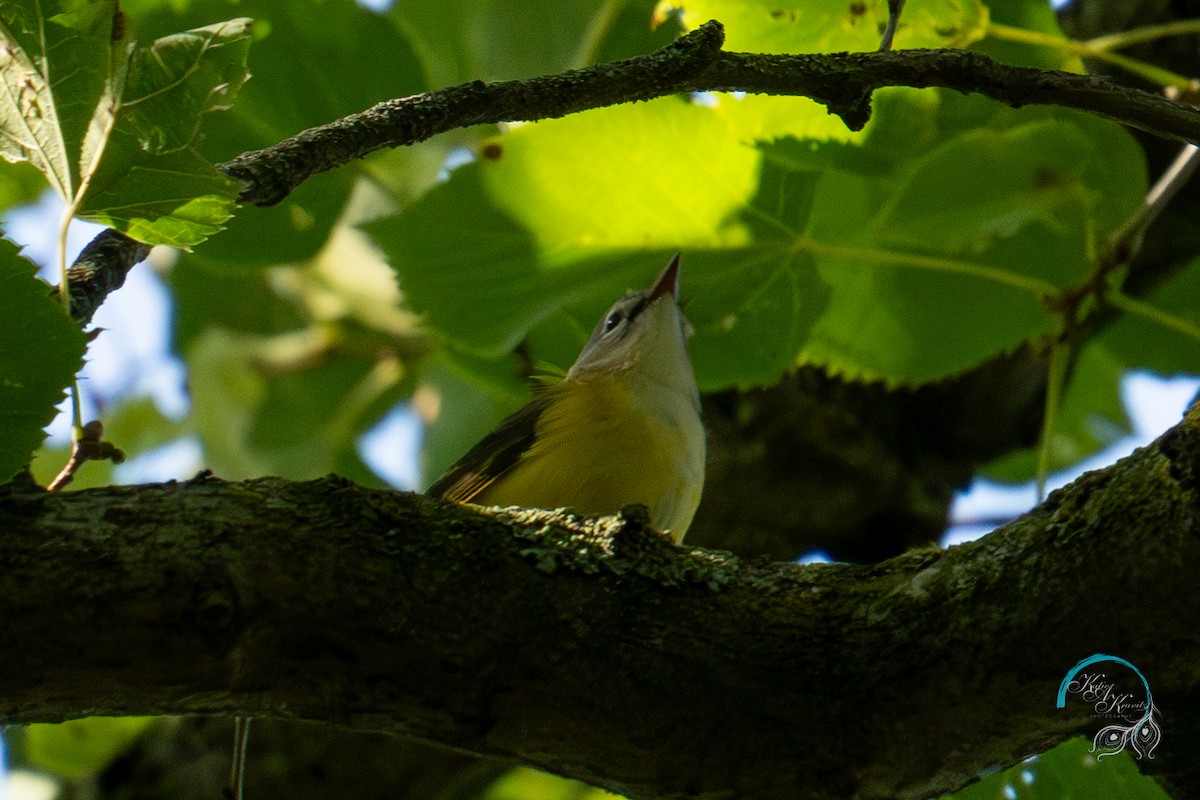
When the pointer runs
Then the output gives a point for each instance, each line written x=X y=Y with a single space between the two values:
x=622 y=427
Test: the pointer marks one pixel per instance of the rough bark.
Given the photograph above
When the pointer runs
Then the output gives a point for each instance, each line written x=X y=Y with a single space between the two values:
x=600 y=650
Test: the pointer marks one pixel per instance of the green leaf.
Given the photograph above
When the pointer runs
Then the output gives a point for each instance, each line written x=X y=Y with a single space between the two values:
x=176 y=199
x=1165 y=336
x=344 y=59
x=280 y=406
x=153 y=185
x=178 y=79
x=82 y=747
x=828 y=26
x=947 y=263
x=42 y=350
x=64 y=77
x=1036 y=172
x=464 y=40
x=558 y=214
x=112 y=128
x=526 y=783
x=1068 y=772
x=800 y=250
x=668 y=172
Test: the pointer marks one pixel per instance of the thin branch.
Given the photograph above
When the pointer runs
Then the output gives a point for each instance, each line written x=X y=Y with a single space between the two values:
x=843 y=82
x=100 y=269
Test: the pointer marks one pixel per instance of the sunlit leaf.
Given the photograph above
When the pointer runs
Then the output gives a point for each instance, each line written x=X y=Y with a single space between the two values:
x=82 y=746
x=153 y=185
x=1068 y=772
x=108 y=125
x=63 y=74
x=829 y=26
x=554 y=211
x=525 y=783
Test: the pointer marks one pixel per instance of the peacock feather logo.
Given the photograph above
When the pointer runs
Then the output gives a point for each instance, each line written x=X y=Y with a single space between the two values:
x=1138 y=728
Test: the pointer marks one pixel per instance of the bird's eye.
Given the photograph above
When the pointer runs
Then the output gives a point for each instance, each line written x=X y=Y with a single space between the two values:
x=614 y=319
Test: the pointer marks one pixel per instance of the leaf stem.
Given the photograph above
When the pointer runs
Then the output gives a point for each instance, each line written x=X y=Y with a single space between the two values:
x=1033 y=286
x=1157 y=75
x=1147 y=33
x=1142 y=309
x=1060 y=358
x=64 y=293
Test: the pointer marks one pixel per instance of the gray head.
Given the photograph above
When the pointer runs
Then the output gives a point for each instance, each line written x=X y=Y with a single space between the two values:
x=643 y=333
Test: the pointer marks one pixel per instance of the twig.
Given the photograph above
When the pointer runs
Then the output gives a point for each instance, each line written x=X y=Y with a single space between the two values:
x=895 y=7
x=89 y=446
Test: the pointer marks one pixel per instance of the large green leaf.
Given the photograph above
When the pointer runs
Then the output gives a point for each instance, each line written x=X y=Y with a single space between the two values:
x=62 y=82
x=927 y=247
x=153 y=185
x=40 y=350
x=464 y=40
x=112 y=128
x=1163 y=332
x=827 y=26
x=314 y=62
x=558 y=213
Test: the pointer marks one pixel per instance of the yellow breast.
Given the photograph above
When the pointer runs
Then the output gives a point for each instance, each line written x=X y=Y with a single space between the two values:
x=602 y=444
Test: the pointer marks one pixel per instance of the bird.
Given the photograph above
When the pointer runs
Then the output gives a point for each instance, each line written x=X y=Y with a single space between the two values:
x=623 y=426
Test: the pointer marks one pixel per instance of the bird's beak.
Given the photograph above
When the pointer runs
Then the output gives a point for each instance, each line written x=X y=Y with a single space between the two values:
x=668 y=281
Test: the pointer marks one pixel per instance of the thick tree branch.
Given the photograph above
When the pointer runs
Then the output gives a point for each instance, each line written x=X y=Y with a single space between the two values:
x=602 y=651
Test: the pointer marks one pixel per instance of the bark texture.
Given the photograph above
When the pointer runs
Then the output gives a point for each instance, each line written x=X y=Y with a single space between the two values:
x=597 y=649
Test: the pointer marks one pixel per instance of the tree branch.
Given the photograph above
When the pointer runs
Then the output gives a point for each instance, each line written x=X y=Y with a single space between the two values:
x=600 y=650
x=100 y=269
x=694 y=63
x=843 y=82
